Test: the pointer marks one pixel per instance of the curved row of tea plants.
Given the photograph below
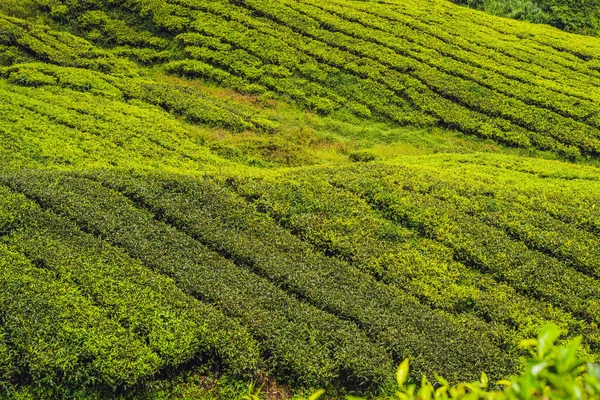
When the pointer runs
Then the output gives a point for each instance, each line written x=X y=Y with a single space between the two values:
x=572 y=16
x=417 y=72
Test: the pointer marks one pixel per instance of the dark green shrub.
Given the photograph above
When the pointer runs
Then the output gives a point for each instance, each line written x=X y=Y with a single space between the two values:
x=147 y=308
x=362 y=156
x=228 y=225
x=310 y=346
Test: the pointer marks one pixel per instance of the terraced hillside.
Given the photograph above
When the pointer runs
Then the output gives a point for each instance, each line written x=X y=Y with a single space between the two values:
x=570 y=15
x=419 y=63
x=194 y=195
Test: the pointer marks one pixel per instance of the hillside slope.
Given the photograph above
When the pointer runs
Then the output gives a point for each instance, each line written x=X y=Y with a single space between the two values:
x=418 y=63
x=570 y=15
x=288 y=191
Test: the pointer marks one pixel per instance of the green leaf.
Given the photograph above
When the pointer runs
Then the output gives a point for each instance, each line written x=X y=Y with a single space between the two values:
x=538 y=367
x=402 y=372
x=442 y=381
x=317 y=394
x=402 y=396
x=441 y=391
x=546 y=339
x=484 y=380
x=528 y=343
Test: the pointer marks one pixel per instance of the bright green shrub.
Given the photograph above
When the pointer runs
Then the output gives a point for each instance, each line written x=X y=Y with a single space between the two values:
x=198 y=69
x=310 y=347
x=65 y=351
x=78 y=79
x=11 y=55
x=226 y=224
x=341 y=223
x=195 y=107
x=181 y=330
x=106 y=31
x=59 y=47
x=30 y=77
x=60 y=126
x=528 y=271
x=18 y=8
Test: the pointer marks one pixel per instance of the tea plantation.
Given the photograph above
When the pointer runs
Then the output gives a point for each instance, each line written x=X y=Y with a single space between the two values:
x=196 y=195
x=570 y=15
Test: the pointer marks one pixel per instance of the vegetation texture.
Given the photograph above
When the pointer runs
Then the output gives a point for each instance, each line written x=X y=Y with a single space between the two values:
x=580 y=16
x=198 y=194
x=551 y=373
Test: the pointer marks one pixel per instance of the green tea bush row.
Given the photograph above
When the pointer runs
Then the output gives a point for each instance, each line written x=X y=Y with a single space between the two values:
x=459 y=119
x=463 y=123
x=549 y=190
x=60 y=48
x=548 y=202
x=463 y=96
x=199 y=69
x=378 y=98
x=577 y=214
x=198 y=109
x=572 y=47
x=228 y=225
x=299 y=89
x=237 y=61
x=86 y=130
x=471 y=95
x=78 y=79
x=250 y=31
x=338 y=222
x=271 y=69
x=60 y=350
x=431 y=78
x=318 y=103
x=171 y=18
x=118 y=284
x=574 y=247
x=10 y=54
x=481 y=245
x=472 y=50
x=455 y=61
x=106 y=31
x=306 y=344
x=178 y=100
x=301 y=52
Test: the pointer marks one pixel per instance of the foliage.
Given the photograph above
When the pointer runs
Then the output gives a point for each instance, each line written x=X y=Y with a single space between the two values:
x=526 y=10
x=521 y=86
x=552 y=372
x=194 y=195
x=229 y=253
x=570 y=15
